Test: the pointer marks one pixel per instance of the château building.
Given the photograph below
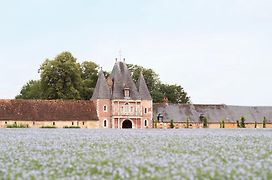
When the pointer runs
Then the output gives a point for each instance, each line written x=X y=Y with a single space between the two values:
x=118 y=102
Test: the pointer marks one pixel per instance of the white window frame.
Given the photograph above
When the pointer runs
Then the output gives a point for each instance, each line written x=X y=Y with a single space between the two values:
x=105 y=120
x=105 y=108
x=145 y=110
x=145 y=123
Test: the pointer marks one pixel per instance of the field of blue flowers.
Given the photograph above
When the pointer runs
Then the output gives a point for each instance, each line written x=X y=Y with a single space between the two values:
x=135 y=154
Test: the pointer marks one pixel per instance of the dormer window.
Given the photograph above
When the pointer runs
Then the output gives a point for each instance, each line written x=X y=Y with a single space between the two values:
x=127 y=92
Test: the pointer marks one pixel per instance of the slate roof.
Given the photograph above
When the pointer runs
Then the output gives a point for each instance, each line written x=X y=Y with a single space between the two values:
x=121 y=78
x=47 y=110
x=214 y=113
x=101 y=90
x=143 y=90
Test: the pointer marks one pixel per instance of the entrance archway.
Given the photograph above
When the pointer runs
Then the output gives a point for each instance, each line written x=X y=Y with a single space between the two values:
x=127 y=124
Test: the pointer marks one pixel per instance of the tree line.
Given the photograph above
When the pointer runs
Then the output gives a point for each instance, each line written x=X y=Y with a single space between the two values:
x=64 y=78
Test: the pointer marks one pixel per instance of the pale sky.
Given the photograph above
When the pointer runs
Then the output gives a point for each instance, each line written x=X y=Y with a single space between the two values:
x=220 y=51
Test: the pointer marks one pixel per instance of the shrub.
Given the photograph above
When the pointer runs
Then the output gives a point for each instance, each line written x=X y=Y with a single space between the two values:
x=17 y=126
x=156 y=124
x=242 y=124
x=187 y=123
x=222 y=124
x=264 y=122
x=205 y=122
x=172 y=124
x=238 y=124
x=48 y=127
x=71 y=127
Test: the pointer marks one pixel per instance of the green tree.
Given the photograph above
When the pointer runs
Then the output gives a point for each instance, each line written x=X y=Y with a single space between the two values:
x=158 y=90
x=89 y=75
x=32 y=90
x=152 y=80
x=174 y=93
x=64 y=78
x=61 y=77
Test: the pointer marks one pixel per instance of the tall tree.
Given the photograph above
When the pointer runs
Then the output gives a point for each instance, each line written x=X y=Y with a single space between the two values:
x=64 y=78
x=152 y=79
x=89 y=75
x=158 y=90
x=32 y=90
x=61 y=77
x=174 y=93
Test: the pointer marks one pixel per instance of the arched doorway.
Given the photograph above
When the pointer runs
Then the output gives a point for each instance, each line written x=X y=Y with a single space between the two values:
x=127 y=124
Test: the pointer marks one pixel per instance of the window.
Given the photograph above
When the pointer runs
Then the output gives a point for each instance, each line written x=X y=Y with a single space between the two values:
x=6 y=122
x=83 y=123
x=105 y=108
x=127 y=92
x=15 y=122
x=160 y=117
x=54 y=123
x=145 y=123
x=145 y=110
x=33 y=123
x=105 y=123
x=72 y=123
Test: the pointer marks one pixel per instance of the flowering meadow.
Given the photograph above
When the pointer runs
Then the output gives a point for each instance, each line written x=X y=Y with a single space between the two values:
x=135 y=154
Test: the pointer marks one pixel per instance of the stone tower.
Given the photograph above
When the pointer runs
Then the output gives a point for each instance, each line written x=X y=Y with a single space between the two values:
x=120 y=103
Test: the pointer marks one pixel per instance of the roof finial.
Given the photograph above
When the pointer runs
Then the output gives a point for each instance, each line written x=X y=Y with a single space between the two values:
x=120 y=55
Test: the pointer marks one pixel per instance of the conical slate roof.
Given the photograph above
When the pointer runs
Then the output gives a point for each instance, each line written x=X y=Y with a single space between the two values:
x=121 y=78
x=117 y=87
x=101 y=90
x=143 y=90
